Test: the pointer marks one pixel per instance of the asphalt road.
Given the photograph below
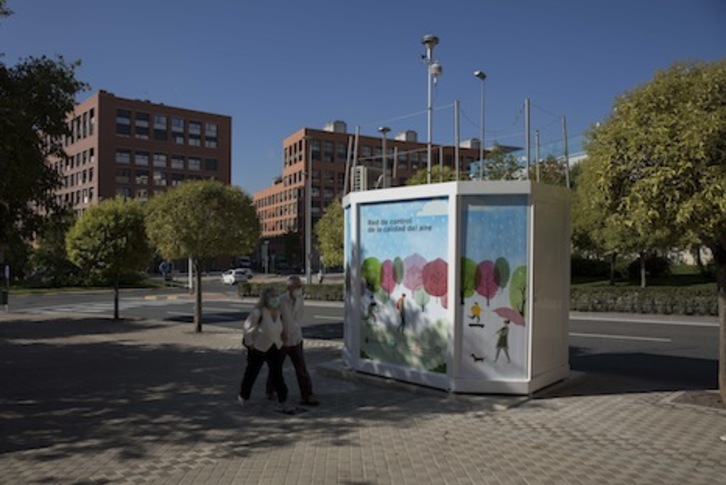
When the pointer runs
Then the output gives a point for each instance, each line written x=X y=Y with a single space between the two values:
x=675 y=350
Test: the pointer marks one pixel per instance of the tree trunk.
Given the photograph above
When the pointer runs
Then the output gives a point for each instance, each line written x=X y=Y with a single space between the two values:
x=115 y=298
x=198 y=295
x=719 y=254
x=642 y=270
x=613 y=259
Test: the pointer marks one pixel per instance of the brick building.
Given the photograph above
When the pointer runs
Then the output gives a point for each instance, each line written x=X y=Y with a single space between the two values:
x=280 y=206
x=136 y=148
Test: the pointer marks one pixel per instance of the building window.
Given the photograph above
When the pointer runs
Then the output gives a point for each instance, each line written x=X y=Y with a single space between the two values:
x=176 y=179
x=159 y=178
x=91 y=124
x=177 y=161
x=91 y=157
x=124 y=192
x=178 y=138
x=90 y=194
x=160 y=127
x=160 y=160
x=328 y=151
x=90 y=175
x=194 y=164
x=141 y=158
x=142 y=126
x=315 y=148
x=142 y=195
x=195 y=128
x=210 y=135
x=122 y=175
x=123 y=156
x=210 y=164
x=195 y=133
x=142 y=177
x=123 y=122
x=342 y=152
x=177 y=125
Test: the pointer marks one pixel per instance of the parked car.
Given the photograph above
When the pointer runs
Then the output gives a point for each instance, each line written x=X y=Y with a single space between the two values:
x=237 y=275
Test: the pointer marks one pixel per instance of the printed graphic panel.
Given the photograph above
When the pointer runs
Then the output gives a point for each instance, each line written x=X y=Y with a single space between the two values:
x=494 y=287
x=404 y=283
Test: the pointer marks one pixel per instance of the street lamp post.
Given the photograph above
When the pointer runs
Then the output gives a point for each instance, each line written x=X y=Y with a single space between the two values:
x=481 y=75
x=384 y=130
x=308 y=208
x=433 y=69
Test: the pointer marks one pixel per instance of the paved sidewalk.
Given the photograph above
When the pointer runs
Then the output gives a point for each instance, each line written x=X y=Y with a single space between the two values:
x=87 y=400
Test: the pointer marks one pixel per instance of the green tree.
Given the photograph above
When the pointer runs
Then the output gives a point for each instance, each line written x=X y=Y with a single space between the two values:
x=500 y=165
x=35 y=96
x=445 y=173
x=202 y=220
x=50 y=257
x=109 y=241
x=329 y=232
x=551 y=171
x=661 y=162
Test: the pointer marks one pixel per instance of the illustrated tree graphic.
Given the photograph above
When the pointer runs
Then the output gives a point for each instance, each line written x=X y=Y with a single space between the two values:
x=435 y=277
x=487 y=285
x=518 y=290
x=501 y=272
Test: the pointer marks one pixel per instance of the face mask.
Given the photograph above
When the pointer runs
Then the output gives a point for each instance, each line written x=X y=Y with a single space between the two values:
x=297 y=293
x=273 y=302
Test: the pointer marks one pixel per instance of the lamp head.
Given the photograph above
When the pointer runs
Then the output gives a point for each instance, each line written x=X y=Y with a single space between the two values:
x=384 y=129
x=480 y=74
x=430 y=41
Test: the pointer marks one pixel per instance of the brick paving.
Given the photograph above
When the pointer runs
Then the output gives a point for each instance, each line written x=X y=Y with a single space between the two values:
x=86 y=400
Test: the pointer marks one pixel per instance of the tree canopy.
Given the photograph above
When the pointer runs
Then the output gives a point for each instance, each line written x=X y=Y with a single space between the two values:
x=109 y=241
x=201 y=220
x=35 y=97
x=660 y=162
x=330 y=234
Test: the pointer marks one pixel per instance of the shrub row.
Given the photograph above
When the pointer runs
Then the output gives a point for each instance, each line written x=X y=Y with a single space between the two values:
x=675 y=301
x=663 y=300
x=320 y=292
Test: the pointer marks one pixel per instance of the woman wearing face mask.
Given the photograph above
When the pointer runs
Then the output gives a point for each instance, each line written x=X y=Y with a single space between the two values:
x=291 y=311
x=262 y=335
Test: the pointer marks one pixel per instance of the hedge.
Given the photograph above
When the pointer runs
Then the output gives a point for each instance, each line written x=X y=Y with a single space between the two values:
x=663 y=300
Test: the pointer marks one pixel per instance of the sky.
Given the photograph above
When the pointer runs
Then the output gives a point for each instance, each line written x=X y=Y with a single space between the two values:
x=277 y=66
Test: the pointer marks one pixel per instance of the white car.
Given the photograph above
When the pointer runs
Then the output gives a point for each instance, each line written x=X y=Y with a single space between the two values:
x=237 y=275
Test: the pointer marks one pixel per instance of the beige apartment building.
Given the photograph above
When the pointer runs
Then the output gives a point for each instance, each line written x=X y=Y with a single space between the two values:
x=136 y=148
x=281 y=208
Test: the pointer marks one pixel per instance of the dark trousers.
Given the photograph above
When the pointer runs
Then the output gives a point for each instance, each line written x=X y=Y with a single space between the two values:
x=303 y=377
x=255 y=359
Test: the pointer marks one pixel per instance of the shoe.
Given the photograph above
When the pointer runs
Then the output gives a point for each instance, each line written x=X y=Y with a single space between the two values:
x=272 y=396
x=242 y=401
x=286 y=408
x=310 y=401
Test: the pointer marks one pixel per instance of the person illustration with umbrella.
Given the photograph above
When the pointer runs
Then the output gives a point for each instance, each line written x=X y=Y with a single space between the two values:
x=503 y=341
x=510 y=316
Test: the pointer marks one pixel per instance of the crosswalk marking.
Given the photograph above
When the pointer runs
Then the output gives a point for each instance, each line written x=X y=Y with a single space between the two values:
x=101 y=307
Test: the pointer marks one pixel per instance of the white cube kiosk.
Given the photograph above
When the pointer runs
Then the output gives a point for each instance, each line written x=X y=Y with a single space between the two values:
x=462 y=286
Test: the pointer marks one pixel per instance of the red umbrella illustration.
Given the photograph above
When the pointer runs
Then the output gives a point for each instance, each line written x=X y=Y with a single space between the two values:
x=510 y=314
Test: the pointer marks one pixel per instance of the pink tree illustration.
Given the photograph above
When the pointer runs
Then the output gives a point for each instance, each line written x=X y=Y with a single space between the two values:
x=487 y=286
x=435 y=277
x=412 y=268
x=388 y=280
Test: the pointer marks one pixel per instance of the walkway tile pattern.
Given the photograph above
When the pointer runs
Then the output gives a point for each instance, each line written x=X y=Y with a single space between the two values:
x=91 y=401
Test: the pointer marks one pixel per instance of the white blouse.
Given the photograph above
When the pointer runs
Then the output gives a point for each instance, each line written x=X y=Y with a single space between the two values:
x=261 y=331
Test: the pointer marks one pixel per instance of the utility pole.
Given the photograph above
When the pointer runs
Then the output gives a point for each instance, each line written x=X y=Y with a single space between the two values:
x=567 y=153
x=457 y=140
x=527 y=142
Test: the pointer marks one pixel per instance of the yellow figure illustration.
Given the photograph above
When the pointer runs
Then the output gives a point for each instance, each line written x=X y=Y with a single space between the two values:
x=476 y=312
